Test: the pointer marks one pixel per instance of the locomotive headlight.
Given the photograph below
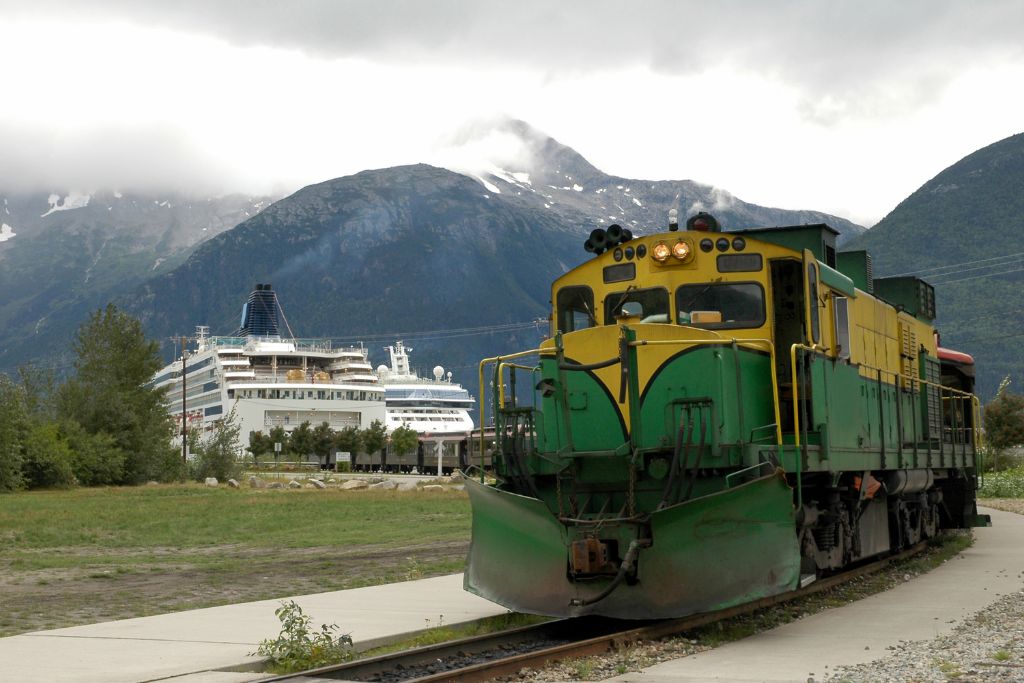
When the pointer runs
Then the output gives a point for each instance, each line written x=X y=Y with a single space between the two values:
x=660 y=252
x=682 y=250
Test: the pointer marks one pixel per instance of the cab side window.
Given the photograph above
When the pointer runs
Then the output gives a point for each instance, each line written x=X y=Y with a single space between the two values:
x=575 y=308
x=719 y=306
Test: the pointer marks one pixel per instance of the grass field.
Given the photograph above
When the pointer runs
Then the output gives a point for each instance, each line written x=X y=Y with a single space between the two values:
x=87 y=555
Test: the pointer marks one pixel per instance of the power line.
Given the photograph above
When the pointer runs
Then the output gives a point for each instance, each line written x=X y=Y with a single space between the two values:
x=969 y=270
x=446 y=333
x=963 y=321
x=957 y=265
x=976 y=277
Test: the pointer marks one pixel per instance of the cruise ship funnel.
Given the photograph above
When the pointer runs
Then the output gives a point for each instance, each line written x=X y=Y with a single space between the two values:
x=259 y=313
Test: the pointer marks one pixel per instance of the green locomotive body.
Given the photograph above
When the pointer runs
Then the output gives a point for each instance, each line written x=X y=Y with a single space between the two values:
x=718 y=417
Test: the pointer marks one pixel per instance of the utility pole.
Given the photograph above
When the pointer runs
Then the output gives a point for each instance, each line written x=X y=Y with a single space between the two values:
x=184 y=415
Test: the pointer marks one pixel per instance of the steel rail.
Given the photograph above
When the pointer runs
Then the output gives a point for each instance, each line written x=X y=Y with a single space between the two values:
x=541 y=657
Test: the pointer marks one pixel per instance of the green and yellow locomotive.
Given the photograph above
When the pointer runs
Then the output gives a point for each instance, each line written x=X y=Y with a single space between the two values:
x=718 y=417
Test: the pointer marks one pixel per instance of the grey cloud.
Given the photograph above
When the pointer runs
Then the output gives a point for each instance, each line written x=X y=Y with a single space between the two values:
x=127 y=158
x=872 y=57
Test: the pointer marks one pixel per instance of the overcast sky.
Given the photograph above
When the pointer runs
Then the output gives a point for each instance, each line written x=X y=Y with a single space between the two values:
x=845 y=107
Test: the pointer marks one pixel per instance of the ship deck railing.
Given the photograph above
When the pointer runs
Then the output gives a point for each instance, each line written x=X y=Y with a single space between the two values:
x=310 y=345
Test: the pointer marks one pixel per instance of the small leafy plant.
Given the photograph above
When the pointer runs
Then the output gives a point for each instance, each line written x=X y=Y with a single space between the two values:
x=299 y=647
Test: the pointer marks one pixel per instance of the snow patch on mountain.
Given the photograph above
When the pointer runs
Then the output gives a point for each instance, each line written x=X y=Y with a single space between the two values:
x=6 y=232
x=491 y=187
x=74 y=200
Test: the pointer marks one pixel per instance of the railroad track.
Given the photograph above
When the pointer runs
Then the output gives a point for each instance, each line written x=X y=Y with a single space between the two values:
x=481 y=658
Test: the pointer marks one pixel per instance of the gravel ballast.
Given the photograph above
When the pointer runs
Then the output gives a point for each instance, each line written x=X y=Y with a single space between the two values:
x=988 y=646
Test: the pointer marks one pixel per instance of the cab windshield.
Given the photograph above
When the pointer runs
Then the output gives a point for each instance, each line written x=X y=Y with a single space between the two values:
x=718 y=306
x=649 y=305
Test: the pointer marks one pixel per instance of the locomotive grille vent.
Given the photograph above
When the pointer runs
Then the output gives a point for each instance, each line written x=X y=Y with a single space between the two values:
x=933 y=374
x=908 y=352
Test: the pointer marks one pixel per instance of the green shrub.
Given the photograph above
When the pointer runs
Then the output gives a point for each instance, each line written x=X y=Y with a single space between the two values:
x=298 y=647
x=217 y=454
x=13 y=425
x=10 y=466
x=1005 y=484
x=95 y=458
x=47 y=460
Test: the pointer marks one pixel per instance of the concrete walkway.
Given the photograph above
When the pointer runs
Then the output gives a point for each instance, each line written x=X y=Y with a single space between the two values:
x=860 y=632
x=190 y=646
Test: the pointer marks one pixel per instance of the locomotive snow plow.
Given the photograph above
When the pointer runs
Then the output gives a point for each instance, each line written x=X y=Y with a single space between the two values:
x=708 y=553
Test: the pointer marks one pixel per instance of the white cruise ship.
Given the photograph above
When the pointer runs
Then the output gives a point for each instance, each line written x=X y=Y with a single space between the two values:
x=271 y=380
x=435 y=406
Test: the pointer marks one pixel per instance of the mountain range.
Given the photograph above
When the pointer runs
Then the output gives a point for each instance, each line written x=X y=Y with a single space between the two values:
x=458 y=263
x=371 y=256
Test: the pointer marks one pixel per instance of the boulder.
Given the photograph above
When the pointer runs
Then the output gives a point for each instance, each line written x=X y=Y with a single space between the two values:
x=354 y=484
x=317 y=484
x=433 y=487
x=294 y=484
x=256 y=483
x=385 y=485
x=276 y=485
x=407 y=485
x=233 y=483
x=211 y=481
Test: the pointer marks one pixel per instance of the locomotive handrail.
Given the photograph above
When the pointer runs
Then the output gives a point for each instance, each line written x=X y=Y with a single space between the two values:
x=961 y=395
x=796 y=418
x=501 y=385
x=976 y=440
x=483 y=364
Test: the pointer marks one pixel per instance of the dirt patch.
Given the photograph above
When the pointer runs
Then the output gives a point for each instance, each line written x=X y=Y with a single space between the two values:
x=1006 y=504
x=155 y=581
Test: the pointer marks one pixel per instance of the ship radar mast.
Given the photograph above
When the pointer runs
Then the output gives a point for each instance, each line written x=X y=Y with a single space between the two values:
x=202 y=334
x=400 y=358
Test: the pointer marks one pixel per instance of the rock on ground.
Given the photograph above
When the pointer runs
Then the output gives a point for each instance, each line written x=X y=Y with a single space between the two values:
x=256 y=483
x=354 y=484
x=211 y=481
x=233 y=483
x=386 y=485
x=294 y=484
x=433 y=487
x=317 y=484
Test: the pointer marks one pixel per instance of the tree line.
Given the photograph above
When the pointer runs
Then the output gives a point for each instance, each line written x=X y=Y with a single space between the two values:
x=321 y=440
